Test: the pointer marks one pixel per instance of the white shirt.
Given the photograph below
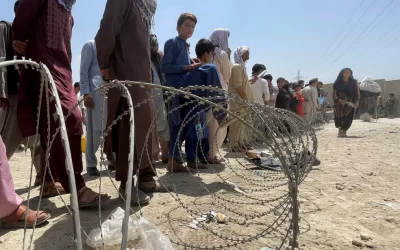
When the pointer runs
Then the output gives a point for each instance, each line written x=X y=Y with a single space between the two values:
x=224 y=66
x=260 y=88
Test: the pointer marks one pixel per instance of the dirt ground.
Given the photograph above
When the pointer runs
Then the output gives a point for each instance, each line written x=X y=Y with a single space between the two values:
x=338 y=199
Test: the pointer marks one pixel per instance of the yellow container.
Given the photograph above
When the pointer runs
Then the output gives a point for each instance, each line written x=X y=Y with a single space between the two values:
x=83 y=144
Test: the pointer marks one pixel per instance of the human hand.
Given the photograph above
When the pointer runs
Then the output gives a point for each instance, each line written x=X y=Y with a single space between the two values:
x=342 y=102
x=253 y=79
x=3 y=103
x=20 y=47
x=106 y=74
x=88 y=101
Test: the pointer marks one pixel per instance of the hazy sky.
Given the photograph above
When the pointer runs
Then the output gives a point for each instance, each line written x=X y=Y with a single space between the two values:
x=284 y=35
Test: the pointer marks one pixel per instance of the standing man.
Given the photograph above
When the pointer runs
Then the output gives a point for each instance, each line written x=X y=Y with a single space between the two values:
x=42 y=31
x=310 y=104
x=93 y=102
x=259 y=86
x=391 y=104
x=9 y=79
x=123 y=53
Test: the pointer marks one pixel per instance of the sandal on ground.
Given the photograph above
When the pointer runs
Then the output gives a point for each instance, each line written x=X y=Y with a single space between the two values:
x=93 y=198
x=214 y=160
x=197 y=165
x=138 y=198
x=153 y=187
x=52 y=190
x=18 y=217
x=175 y=167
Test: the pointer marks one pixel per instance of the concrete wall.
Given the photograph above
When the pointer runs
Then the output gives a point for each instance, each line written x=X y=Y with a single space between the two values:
x=392 y=86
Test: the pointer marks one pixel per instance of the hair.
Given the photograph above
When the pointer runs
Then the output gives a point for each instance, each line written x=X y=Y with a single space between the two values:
x=321 y=83
x=186 y=16
x=312 y=81
x=76 y=85
x=301 y=82
x=16 y=4
x=280 y=79
x=339 y=79
x=295 y=86
x=258 y=67
x=391 y=94
x=268 y=77
x=204 y=46
x=287 y=87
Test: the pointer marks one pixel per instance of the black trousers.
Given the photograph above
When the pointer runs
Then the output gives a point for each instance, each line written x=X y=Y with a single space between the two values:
x=344 y=123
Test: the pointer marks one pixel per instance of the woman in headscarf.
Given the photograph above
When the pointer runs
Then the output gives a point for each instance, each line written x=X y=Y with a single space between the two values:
x=346 y=96
x=239 y=84
x=216 y=135
x=42 y=31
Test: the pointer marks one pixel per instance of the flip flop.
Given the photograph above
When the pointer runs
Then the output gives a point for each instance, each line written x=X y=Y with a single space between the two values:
x=138 y=197
x=17 y=219
x=93 y=203
x=197 y=165
x=175 y=167
x=153 y=187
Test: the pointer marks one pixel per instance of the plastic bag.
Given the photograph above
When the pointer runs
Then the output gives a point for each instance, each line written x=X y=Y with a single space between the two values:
x=112 y=231
x=142 y=235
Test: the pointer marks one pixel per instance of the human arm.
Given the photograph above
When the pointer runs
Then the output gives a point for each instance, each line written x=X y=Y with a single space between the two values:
x=236 y=81
x=24 y=20
x=357 y=96
x=265 y=90
x=225 y=67
x=167 y=65
x=86 y=61
x=110 y=27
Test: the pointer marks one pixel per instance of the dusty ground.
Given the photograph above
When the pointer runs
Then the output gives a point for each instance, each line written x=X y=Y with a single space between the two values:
x=338 y=199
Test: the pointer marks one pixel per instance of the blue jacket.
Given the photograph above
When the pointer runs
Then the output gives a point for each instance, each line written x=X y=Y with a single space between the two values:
x=206 y=75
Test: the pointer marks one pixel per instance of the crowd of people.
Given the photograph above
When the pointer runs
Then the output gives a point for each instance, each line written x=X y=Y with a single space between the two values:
x=125 y=49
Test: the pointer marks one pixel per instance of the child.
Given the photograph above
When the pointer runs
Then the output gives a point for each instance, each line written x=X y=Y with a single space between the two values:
x=391 y=106
x=175 y=63
x=196 y=130
x=300 y=98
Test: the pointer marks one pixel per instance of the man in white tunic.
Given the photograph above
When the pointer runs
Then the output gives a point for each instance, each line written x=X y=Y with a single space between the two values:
x=310 y=104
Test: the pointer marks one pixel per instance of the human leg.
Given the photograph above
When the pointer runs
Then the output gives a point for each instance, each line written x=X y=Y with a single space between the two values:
x=92 y=145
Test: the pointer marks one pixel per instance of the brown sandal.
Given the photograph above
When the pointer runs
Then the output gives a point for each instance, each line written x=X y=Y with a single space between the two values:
x=94 y=198
x=18 y=217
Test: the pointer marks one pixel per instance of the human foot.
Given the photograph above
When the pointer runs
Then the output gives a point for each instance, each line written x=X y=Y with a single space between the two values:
x=52 y=190
x=93 y=171
x=21 y=214
x=88 y=198
x=138 y=197
x=174 y=166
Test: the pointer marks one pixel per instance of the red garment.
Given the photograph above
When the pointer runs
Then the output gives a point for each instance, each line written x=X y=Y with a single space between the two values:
x=300 y=111
x=47 y=27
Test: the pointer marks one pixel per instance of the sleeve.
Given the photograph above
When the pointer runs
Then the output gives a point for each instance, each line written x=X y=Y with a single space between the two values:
x=86 y=60
x=25 y=18
x=357 y=92
x=167 y=66
x=265 y=90
x=110 y=27
x=3 y=56
x=236 y=76
x=214 y=80
x=225 y=67
x=315 y=98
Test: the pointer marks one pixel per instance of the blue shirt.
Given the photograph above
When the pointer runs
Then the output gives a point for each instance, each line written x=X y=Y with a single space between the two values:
x=176 y=57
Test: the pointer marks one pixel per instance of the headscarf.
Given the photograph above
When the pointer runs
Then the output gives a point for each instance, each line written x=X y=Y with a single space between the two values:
x=368 y=84
x=239 y=53
x=147 y=9
x=219 y=37
x=67 y=4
